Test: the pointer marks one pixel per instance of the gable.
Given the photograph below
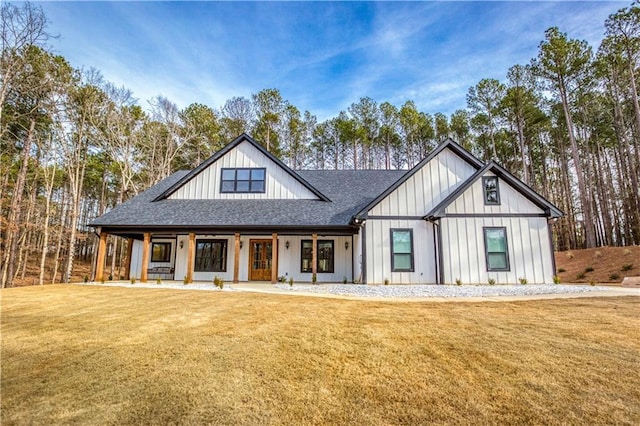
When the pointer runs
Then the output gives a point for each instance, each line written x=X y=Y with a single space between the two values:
x=471 y=201
x=280 y=182
x=426 y=186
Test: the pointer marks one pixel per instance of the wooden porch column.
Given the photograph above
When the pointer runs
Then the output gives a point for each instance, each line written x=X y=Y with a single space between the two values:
x=127 y=267
x=314 y=253
x=102 y=249
x=274 y=258
x=191 y=252
x=145 y=257
x=236 y=257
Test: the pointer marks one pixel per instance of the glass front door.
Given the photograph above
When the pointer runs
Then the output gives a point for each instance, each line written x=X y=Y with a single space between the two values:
x=260 y=260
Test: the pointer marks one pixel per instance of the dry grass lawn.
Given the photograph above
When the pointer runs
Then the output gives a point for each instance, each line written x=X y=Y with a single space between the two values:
x=105 y=355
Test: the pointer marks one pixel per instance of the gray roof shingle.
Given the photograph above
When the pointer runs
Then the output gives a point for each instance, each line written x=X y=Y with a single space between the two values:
x=348 y=190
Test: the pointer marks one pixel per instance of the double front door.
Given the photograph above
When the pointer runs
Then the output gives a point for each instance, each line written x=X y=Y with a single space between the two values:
x=260 y=260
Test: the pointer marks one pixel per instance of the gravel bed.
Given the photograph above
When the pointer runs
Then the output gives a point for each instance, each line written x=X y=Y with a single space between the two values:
x=400 y=291
x=388 y=291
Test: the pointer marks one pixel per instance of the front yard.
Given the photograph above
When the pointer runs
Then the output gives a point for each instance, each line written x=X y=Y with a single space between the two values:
x=110 y=355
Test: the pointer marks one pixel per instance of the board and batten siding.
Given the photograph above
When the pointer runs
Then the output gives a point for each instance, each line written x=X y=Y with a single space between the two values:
x=464 y=254
x=278 y=183
x=426 y=187
x=135 y=269
x=528 y=243
x=378 y=242
x=511 y=201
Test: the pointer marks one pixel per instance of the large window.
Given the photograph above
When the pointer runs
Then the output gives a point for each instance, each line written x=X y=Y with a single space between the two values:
x=495 y=243
x=161 y=252
x=402 y=250
x=324 y=256
x=491 y=190
x=243 y=180
x=211 y=256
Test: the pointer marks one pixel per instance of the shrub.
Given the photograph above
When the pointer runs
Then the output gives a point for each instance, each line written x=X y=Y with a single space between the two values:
x=627 y=267
x=102 y=279
x=282 y=279
x=85 y=279
x=580 y=276
x=218 y=282
x=344 y=280
x=588 y=269
x=592 y=282
x=492 y=281
x=614 y=277
x=110 y=277
x=185 y=280
x=386 y=281
x=561 y=270
x=556 y=279
x=523 y=280
x=158 y=281
x=133 y=280
x=458 y=281
x=290 y=281
x=314 y=278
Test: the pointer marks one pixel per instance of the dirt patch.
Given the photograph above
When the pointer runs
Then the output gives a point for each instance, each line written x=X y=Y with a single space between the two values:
x=32 y=272
x=598 y=265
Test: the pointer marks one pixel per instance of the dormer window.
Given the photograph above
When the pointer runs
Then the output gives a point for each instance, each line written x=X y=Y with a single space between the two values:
x=491 y=190
x=243 y=180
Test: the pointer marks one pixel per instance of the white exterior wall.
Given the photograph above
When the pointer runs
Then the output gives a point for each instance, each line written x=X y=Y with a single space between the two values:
x=378 y=241
x=136 y=260
x=278 y=183
x=530 y=254
x=511 y=201
x=135 y=269
x=529 y=249
x=288 y=260
x=426 y=188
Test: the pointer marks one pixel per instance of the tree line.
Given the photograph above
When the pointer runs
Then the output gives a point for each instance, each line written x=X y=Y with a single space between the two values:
x=74 y=145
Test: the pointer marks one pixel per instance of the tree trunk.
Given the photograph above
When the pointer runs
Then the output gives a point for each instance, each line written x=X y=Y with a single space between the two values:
x=15 y=212
x=587 y=217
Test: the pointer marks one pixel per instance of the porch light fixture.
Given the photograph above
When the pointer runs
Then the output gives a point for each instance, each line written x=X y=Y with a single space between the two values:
x=240 y=245
x=181 y=244
x=346 y=245
x=287 y=245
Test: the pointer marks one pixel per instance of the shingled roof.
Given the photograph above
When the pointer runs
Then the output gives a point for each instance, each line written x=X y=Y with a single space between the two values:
x=347 y=190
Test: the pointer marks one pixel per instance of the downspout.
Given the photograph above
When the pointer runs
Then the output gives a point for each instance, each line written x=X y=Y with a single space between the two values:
x=364 y=252
x=437 y=242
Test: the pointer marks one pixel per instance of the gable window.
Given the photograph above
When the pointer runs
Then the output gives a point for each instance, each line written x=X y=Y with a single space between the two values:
x=161 y=252
x=324 y=256
x=495 y=243
x=211 y=256
x=491 y=190
x=402 y=250
x=243 y=180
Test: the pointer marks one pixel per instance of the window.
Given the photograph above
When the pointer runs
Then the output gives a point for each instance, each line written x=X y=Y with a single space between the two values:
x=243 y=180
x=402 y=250
x=211 y=256
x=491 y=190
x=495 y=243
x=161 y=252
x=324 y=256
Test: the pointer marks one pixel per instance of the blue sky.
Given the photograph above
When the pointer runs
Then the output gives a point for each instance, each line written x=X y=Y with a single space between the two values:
x=321 y=56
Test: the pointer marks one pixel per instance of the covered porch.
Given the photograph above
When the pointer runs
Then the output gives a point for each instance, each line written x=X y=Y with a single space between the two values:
x=329 y=255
